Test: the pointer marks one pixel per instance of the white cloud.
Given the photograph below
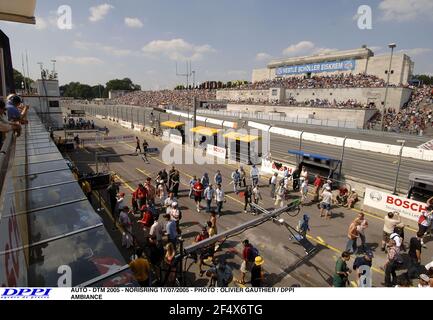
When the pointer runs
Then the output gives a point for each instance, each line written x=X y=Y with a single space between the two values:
x=304 y=48
x=299 y=48
x=405 y=10
x=99 y=12
x=324 y=50
x=79 y=60
x=262 y=56
x=133 y=22
x=177 y=49
x=416 y=51
x=41 y=23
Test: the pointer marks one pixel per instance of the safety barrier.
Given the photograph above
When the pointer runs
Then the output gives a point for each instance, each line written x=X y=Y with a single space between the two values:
x=408 y=152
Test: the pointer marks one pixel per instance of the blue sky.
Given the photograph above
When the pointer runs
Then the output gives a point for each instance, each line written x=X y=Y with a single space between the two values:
x=225 y=39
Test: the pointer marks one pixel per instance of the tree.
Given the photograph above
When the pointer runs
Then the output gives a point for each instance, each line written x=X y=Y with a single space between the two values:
x=425 y=79
x=77 y=91
x=20 y=80
x=98 y=91
x=121 y=84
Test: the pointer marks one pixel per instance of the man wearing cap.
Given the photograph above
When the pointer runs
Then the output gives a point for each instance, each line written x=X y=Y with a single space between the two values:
x=257 y=272
x=222 y=274
x=15 y=110
x=6 y=126
x=325 y=205
x=364 y=261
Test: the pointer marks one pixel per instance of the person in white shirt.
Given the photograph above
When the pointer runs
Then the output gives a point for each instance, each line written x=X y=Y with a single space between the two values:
x=169 y=201
x=273 y=184
x=219 y=198
x=280 y=195
x=255 y=174
x=161 y=192
x=304 y=190
x=157 y=231
x=120 y=202
x=325 y=205
x=304 y=173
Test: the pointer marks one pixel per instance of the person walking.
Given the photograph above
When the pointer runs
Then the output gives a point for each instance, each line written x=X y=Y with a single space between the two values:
x=205 y=180
x=175 y=183
x=198 y=193
x=219 y=199
x=218 y=178
x=170 y=176
x=341 y=275
x=209 y=193
x=273 y=184
x=137 y=146
x=248 y=194
x=191 y=185
x=255 y=175
x=221 y=274
x=145 y=149
x=235 y=180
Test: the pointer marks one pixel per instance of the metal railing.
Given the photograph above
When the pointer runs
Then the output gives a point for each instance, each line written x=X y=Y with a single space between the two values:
x=5 y=153
x=348 y=124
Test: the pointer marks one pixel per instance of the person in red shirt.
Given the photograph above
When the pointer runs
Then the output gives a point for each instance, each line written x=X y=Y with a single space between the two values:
x=205 y=253
x=318 y=183
x=141 y=195
x=147 y=220
x=198 y=192
x=343 y=193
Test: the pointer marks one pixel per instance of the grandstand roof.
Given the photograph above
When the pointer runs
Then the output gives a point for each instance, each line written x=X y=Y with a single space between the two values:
x=360 y=53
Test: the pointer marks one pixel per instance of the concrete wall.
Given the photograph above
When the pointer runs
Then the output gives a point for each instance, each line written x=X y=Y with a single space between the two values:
x=397 y=97
x=262 y=74
x=360 y=116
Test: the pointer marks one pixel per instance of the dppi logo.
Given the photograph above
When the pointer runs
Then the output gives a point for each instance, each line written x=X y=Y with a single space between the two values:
x=25 y=293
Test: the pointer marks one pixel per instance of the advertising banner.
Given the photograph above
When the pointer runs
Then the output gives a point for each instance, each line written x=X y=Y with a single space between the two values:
x=216 y=151
x=329 y=66
x=387 y=202
x=176 y=139
x=427 y=146
x=271 y=167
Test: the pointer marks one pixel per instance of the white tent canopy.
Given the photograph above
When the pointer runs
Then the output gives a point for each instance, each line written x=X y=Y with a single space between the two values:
x=22 y=11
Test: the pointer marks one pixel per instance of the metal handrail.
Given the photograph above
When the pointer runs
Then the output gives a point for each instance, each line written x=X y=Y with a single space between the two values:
x=4 y=155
